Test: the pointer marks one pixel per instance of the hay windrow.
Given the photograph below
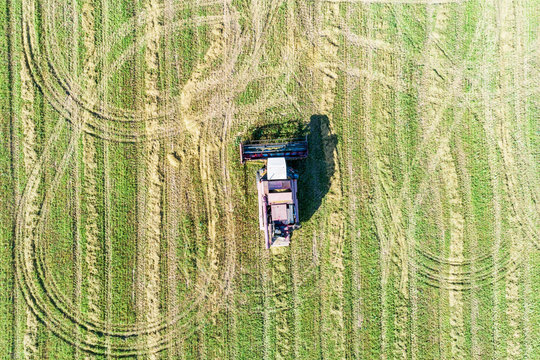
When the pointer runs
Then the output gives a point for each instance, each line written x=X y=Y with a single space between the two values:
x=90 y=184
x=327 y=58
x=29 y=159
x=153 y=178
x=450 y=179
x=448 y=174
x=77 y=200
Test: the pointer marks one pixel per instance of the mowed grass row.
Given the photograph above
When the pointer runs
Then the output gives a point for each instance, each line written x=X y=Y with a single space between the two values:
x=14 y=314
x=431 y=324
x=206 y=327
x=44 y=119
x=62 y=224
x=364 y=245
x=7 y=181
x=177 y=62
x=471 y=138
x=120 y=161
x=248 y=296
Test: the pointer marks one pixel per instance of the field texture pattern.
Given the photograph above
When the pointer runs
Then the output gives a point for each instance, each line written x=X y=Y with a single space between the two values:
x=129 y=228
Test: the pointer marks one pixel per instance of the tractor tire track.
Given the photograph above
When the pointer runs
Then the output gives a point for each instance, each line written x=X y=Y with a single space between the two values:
x=428 y=272
x=114 y=330
x=95 y=125
x=41 y=306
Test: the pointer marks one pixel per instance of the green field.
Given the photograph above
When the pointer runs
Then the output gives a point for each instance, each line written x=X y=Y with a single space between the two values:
x=129 y=228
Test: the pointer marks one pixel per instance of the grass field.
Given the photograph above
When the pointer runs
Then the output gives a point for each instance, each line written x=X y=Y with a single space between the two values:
x=128 y=226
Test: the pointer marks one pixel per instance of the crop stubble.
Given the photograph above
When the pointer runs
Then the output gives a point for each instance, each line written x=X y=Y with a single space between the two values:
x=200 y=145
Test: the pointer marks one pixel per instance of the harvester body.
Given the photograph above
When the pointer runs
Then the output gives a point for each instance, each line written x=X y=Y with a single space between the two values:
x=277 y=187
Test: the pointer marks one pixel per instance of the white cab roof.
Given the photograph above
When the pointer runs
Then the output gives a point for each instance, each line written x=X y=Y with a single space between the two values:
x=277 y=168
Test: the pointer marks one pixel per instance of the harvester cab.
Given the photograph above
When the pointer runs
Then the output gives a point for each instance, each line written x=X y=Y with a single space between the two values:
x=276 y=186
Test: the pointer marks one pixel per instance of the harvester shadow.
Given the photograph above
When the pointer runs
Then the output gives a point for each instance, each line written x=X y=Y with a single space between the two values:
x=315 y=172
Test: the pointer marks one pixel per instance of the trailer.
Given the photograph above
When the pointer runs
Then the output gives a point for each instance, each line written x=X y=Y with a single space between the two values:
x=276 y=186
